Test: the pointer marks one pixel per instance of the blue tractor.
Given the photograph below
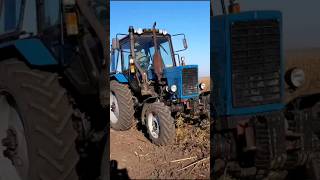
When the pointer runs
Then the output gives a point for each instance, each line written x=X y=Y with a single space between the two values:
x=52 y=86
x=146 y=79
x=256 y=133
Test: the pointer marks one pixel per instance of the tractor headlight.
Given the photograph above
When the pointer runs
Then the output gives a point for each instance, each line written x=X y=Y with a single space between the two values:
x=164 y=32
x=202 y=86
x=173 y=88
x=71 y=17
x=132 y=67
x=296 y=77
x=71 y=20
x=138 y=31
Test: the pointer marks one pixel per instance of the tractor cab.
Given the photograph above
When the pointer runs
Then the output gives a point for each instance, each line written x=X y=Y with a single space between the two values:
x=144 y=50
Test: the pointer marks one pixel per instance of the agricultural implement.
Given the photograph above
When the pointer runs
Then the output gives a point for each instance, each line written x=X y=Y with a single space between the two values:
x=266 y=115
x=148 y=80
x=52 y=88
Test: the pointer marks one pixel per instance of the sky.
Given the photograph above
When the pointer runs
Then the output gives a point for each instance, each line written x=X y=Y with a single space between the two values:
x=301 y=24
x=189 y=17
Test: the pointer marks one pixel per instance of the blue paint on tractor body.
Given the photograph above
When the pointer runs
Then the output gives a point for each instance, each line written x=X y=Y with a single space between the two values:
x=221 y=63
x=174 y=77
x=120 y=78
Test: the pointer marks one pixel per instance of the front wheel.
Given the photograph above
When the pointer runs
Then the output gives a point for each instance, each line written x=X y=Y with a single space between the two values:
x=160 y=124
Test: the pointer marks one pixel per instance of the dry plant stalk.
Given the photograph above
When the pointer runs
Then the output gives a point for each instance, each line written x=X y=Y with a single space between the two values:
x=184 y=159
x=194 y=163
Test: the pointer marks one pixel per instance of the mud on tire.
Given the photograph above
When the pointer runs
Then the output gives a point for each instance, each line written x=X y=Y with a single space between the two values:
x=47 y=118
x=166 y=124
x=125 y=104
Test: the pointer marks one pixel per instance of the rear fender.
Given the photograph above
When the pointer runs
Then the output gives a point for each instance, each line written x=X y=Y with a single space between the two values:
x=119 y=77
x=33 y=52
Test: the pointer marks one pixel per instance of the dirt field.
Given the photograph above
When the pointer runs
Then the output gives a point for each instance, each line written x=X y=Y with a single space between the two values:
x=187 y=158
x=135 y=153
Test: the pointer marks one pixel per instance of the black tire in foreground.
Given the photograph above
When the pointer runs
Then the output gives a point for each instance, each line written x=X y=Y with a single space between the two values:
x=160 y=124
x=105 y=168
x=121 y=104
x=46 y=115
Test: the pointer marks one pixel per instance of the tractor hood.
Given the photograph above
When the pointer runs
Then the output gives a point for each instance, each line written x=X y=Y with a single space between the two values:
x=185 y=78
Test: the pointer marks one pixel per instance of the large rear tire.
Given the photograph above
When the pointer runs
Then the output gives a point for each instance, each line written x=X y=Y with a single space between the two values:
x=46 y=115
x=121 y=107
x=160 y=124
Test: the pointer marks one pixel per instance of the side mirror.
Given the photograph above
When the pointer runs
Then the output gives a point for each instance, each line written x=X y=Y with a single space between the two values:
x=185 y=44
x=115 y=43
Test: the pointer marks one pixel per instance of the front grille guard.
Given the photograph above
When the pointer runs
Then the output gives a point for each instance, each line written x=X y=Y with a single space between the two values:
x=255 y=53
x=189 y=81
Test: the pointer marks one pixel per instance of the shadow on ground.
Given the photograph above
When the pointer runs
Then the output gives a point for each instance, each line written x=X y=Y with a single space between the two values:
x=117 y=173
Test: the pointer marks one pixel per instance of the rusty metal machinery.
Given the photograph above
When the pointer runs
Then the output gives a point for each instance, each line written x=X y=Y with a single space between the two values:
x=265 y=108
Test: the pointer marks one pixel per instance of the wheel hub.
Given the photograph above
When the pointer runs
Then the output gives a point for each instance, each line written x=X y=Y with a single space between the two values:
x=114 y=108
x=14 y=162
x=153 y=125
x=10 y=142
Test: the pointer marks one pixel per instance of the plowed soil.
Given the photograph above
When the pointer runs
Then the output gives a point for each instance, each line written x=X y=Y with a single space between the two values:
x=134 y=156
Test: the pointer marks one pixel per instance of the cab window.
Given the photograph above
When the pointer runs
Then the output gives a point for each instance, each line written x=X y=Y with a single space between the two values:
x=51 y=13
x=115 y=62
x=143 y=58
x=9 y=15
x=166 y=54
x=30 y=17
x=125 y=48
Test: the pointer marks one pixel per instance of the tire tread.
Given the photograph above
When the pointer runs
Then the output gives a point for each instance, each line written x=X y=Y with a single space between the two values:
x=125 y=104
x=48 y=119
x=167 y=126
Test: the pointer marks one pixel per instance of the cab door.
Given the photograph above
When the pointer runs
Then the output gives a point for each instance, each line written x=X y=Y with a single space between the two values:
x=10 y=21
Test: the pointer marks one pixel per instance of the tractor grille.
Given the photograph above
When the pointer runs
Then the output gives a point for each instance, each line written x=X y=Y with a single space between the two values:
x=189 y=81
x=255 y=52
